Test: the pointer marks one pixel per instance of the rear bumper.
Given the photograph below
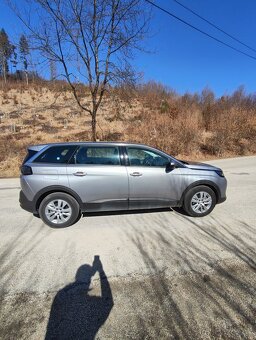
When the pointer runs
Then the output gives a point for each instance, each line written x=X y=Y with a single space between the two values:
x=26 y=204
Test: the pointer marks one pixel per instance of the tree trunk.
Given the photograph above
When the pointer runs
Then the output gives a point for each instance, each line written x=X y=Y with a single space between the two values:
x=4 y=74
x=94 y=135
x=4 y=70
x=26 y=74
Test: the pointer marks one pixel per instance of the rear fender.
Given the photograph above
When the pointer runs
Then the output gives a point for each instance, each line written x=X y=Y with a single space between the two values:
x=54 y=188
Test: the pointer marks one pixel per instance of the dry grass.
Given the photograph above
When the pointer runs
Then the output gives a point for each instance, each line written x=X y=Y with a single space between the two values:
x=188 y=126
x=196 y=126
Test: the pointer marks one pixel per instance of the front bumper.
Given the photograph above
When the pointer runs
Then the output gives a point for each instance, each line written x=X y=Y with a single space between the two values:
x=223 y=190
x=26 y=204
x=222 y=199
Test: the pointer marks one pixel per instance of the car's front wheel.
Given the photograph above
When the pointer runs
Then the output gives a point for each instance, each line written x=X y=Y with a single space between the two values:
x=59 y=210
x=199 y=201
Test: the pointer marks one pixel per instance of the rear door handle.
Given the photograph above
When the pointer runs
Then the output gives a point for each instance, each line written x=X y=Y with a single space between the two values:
x=79 y=173
x=136 y=174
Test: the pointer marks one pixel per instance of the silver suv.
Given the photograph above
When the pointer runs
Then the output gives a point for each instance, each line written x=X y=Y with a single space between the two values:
x=61 y=181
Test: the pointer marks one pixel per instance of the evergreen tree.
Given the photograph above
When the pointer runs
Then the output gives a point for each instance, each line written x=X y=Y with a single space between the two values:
x=6 y=51
x=24 y=52
x=14 y=57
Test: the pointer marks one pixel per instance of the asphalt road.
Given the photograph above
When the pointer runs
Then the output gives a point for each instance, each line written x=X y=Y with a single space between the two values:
x=155 y=275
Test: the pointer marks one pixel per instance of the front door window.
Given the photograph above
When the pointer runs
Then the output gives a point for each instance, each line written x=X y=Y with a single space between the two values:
x=145 y=157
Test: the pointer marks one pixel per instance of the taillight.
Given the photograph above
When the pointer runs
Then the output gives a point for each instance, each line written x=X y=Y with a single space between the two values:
x=26 y=170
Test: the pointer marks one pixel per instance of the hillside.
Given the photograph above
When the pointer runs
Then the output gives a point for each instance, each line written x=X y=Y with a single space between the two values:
x=41 y=114
x=187 y=126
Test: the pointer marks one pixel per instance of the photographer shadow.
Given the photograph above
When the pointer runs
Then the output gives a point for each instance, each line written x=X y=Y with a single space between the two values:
x=77 y=315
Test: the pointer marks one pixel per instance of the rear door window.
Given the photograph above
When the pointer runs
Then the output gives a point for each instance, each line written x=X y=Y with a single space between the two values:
x=97 y=155
x=56 y=154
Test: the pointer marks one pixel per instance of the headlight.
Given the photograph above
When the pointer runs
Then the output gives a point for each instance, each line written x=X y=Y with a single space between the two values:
x=220 y=173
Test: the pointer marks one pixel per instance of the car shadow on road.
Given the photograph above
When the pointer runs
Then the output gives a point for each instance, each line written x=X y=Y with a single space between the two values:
x=75 y=314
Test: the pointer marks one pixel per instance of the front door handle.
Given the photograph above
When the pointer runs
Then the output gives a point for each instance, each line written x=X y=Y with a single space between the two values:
x=79 y=173
x=136 y=174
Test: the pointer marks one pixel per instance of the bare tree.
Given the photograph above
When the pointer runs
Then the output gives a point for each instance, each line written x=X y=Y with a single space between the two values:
x=93 y=40
x=53 y=70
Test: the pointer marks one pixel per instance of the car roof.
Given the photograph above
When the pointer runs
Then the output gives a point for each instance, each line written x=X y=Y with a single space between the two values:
x=38 y=147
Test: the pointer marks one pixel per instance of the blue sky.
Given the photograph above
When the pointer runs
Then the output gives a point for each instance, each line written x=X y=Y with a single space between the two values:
x=184 y=59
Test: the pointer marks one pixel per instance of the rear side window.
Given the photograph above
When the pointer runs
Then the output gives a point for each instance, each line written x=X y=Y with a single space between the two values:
x=97 y=155
x=29 y=155
x=56 y=154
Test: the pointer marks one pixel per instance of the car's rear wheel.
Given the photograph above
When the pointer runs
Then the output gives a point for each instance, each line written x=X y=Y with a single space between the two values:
x=59 y=210
x=199 y=201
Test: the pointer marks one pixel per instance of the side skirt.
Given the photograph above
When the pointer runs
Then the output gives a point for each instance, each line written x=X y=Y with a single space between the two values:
x=116 y=205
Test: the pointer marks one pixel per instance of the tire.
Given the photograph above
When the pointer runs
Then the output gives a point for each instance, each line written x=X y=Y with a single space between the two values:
x=199 y=201
x=59 y=210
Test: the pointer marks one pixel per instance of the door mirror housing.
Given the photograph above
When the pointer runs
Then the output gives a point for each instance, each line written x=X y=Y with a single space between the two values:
x=170 y=166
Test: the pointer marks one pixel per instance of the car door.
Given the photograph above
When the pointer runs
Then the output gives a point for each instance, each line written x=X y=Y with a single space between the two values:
x=98 y=177
x=151 y=184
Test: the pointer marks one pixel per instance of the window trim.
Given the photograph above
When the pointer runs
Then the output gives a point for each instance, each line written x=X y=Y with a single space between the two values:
x=124 y=158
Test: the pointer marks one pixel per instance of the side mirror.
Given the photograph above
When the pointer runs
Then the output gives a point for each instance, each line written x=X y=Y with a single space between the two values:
x=170 y=166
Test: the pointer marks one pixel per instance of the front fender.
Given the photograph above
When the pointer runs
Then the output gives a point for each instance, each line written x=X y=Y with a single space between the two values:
x=207 y=183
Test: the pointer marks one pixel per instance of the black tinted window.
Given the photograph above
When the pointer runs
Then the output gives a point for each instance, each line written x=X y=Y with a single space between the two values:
x=97 y=155
x=56 y=154
x=144 y=157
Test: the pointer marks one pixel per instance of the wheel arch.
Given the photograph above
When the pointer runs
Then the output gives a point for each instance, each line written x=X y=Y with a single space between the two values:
x=209 y=184
x=52 y=189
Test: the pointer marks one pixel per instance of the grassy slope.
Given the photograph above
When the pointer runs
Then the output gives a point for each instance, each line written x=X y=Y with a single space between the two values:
x=179 y=125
